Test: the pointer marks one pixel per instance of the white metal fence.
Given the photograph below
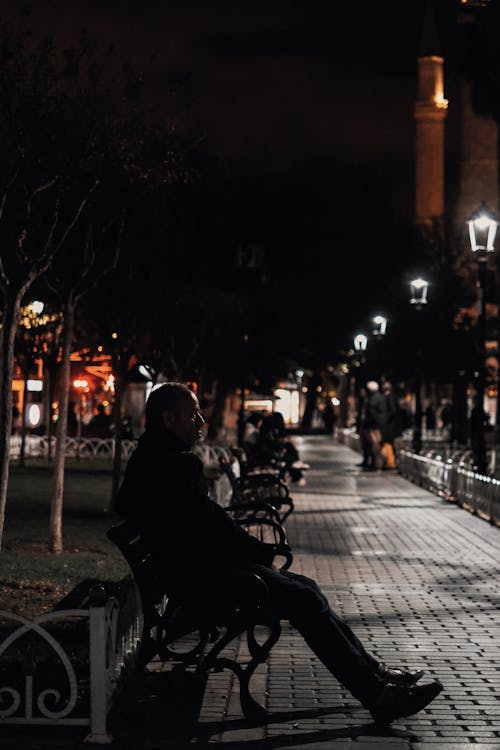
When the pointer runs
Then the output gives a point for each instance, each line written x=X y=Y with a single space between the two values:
x=85 y=447
x=449 y=473
x=453 y=481
x=114 y=634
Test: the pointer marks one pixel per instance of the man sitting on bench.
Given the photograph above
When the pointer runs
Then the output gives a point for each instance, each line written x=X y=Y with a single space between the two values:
x=165 y=495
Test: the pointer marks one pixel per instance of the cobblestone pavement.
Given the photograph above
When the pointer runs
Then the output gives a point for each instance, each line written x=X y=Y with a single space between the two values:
x=417 y=579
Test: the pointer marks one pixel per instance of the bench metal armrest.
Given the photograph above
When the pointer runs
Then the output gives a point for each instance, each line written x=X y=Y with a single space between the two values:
x=252 y=509
x=286 y=552
x=277 y=529
x=280 y=547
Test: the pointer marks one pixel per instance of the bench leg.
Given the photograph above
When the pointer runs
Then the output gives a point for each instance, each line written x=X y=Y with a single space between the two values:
x=290 y=508
x=258 y=652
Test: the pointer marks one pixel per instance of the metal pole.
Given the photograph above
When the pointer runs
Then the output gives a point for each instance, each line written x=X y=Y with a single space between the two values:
x=477 y=427
x=417 y=427
x=244 y=366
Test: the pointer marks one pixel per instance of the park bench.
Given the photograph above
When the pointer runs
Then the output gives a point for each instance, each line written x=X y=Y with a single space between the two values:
x=215 y=607
x=259 y=487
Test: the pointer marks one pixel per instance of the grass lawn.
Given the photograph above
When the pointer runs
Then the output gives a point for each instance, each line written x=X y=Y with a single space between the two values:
x=32 y=579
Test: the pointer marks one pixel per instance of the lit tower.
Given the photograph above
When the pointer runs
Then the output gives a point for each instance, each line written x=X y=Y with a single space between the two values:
x=430 y=113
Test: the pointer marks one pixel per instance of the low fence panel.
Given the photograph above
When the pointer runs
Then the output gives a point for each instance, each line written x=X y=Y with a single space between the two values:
x=478 y=493
x=87 y=652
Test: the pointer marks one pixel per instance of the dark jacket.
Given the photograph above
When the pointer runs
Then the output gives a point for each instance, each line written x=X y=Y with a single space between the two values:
x=393 y=428
x=375 y=411
x=165 y=494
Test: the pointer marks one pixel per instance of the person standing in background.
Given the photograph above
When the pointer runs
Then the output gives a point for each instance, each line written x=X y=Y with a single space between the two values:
x=430 y=419
x=374 y=423
x=392 y=428
x=329 y=417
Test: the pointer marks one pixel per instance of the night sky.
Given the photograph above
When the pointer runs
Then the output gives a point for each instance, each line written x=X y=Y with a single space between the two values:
x=271 y=83
x=310 y=96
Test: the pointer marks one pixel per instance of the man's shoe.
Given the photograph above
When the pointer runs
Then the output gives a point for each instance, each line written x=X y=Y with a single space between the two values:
x=399 y=676
x=399 y=700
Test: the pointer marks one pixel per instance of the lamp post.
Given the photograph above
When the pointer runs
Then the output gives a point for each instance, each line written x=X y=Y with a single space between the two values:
x=81 y=386
x=418 y=298
x=482 y=230
x=379 y=330
x=360 y=342
x=244 y=376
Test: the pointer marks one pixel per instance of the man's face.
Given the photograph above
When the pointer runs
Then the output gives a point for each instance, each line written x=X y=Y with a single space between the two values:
x=186 y=421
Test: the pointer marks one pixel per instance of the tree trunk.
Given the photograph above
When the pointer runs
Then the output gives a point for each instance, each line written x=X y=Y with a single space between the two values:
x=7 y=338
x=22 y=449
x=217 y=420
x=117 y=363
x=55 y=530
x=47 y=409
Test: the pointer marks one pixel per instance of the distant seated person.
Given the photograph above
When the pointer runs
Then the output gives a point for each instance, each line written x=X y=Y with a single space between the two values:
x=100 y=424
x=275 y=444
x=252 y=439
x=253 y=424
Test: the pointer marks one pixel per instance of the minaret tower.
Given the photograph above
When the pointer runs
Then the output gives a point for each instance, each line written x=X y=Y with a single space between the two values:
x=430 y=113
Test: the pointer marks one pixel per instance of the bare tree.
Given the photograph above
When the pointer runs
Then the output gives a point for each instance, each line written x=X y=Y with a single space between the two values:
x=26 y=256
x=80 y=278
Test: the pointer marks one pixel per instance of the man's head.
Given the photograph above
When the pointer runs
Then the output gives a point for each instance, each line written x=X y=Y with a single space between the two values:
x=372 y=386
x=386 y=387
x=174 y=407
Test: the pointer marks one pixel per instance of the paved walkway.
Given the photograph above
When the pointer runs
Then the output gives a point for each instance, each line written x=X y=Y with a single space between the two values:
x=417 y=579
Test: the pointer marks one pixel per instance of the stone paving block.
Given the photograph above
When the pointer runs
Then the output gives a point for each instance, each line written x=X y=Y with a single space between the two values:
x=347 y=745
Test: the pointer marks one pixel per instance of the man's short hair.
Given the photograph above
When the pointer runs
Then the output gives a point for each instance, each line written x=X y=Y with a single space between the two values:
x=164 y=397
x=372 y=386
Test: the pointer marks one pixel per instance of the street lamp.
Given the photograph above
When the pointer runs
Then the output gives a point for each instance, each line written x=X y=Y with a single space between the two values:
x=82 y=387
x=380 y=324
x=379 y=330
x=482 y=231
x=37 y=307
x=418 y=298
x=360 y=344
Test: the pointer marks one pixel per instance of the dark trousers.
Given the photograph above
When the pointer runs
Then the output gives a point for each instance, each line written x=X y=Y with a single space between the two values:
x=300 y=600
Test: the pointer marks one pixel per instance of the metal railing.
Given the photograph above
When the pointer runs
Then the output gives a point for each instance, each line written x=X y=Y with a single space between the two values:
x=448 y=472
x=454 y=481
x=85 y=447
x=112 y=648
x=104 y=448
